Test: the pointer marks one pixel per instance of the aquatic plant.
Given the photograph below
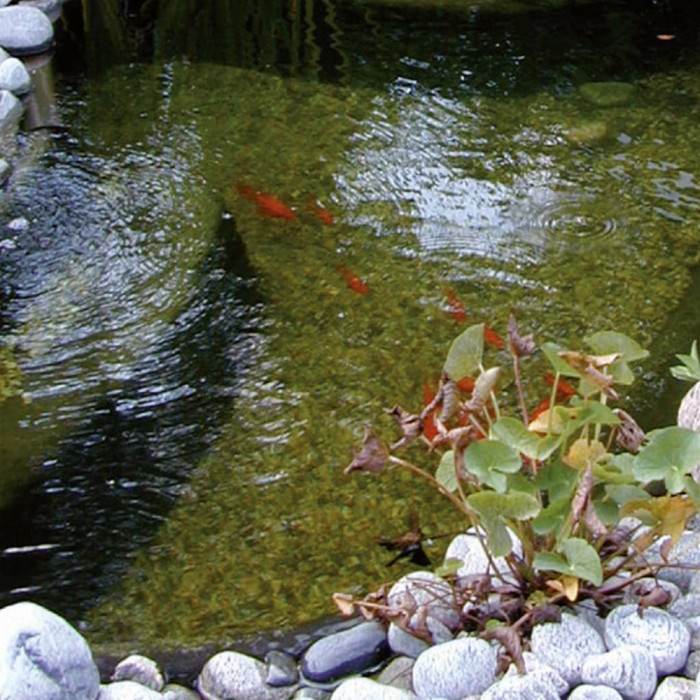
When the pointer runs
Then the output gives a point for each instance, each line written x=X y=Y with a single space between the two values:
x=566 y=500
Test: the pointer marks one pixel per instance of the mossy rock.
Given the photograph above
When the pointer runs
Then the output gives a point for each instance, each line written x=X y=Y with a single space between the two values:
x=587 y=132
x=610 y=94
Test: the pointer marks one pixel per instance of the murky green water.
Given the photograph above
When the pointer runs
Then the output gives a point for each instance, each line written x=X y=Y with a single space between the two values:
x=199 y=371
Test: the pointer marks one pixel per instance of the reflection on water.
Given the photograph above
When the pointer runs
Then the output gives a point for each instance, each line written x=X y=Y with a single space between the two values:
x=461 y=159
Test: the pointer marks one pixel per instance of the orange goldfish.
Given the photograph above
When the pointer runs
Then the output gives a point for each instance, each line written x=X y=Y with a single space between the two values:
x=492 y=338
x=456 y=308
x=564 y=389
x=354 y=282
x=268 y=204
x=321 y=213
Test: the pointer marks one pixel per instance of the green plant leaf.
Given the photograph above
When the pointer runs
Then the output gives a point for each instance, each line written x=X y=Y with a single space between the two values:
x=553 y=517
x=690 y=369
x=611 y=342
x=579 y=559
x=449 y=567
x=670 y=454
x=445 y=473
x=623 y=493
x=513 y=433
x=490 y=460
x=466 y=352
x=558 y=480
x=551 y=352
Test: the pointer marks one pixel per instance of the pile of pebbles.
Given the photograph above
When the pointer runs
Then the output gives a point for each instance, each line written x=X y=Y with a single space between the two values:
x=634 y=653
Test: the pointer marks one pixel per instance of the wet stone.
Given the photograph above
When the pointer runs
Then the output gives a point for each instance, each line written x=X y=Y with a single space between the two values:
x=628 y=669
x=666 y=637
x=230 y=674
x=15 y=77
x=127 y=690
x=366 y=689
x=281 y=668
x=594 y=692
x=10 y=110
x=139 y=669
x=565 y=645
x=25 y=30
x=355 y=650
x=464 y=666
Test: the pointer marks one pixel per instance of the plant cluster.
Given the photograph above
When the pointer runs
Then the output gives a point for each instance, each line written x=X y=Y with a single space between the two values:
x=546 y=493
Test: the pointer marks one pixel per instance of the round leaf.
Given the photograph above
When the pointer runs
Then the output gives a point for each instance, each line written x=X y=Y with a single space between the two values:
x=465 y=353
x=445 y=473
x=671 y=451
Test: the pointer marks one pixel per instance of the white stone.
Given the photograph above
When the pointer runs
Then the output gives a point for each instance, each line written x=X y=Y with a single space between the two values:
x=666 y=637
x=43 y=657
x=173 y=691
x=404 y=643
x=127 y=690
x=565 y=645
x=594 y=692
x=422 y=589
x=686 y=551
x=469 y=550
x=139 y=669
x=531 y=686
x=454 y=669
x=628 y=669
x=233 y=675
x=366 y=689
x=25 y=30
x=14 y=77
x=534 y=666
x=675 y=688
x=10 y=110
x=51 y=8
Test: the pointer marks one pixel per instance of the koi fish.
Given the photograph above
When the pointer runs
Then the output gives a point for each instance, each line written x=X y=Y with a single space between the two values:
x=493 y=339
x=354 y=282
x=321 y=213
x=268 y=204
x=564 y=389
x=456 y=308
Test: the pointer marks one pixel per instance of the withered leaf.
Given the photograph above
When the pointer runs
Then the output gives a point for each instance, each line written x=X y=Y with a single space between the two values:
x=604 y=382
x=582 y=495
x=510 y=639
x=629 y=435
x=372 y=456
x=411 y=426
x=345 y=603
x=657 y=597
x=522 y=346
x=450 y=398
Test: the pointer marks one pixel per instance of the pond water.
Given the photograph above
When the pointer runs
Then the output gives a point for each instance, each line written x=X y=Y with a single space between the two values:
x=184 y=375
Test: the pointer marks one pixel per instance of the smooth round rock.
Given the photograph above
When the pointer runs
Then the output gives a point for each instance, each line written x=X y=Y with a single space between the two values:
x=594 y=692
x=565 y=645
x=25 y=30
x=366 y=689
x=404 y=643
x=10 y=110
x=354 y=650
x=666 y=637
x=531 y=686
x=675 y=688
x=173 y=691
x=465 y=666
x=469 y=550
x=139 y=669
x=628 y=669
x=607 y=94
x=14 y=77
x=43 y=657
x=281 y=668
x=398 y=673
x=127 y=690
x=423 y=589
x=534 y=666
x=51 y=8
x=230 y=674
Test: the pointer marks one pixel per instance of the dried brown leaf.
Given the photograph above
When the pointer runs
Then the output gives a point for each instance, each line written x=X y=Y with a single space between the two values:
x=629 y=435
x=510 y=639
x=372 y=456
x=345 y=603
x=411 y=426
x=450 y=398
x=522 y=346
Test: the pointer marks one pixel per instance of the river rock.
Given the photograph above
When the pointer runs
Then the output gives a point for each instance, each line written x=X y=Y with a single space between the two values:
x=10 y=109
x=469 y=550
x=307 y=693
x=398 y=673
x=464 y=666
x=281 y=668
x=628 y=669
x=607 y=94
x=594 y=692
x=366 y=689
x=404 y=643
x=686 y=551
x=14 y=77
x=51 y=8
x=423 y=590
x=230 y=674
x=666 y=637
x=127 y=690
x=675 y=688
x=533 y=666
x=685 y=606
x=354 y=650
x=530 y=686
x=173 y=691
x=42 y=656
x=25 y=30
x=139 y=669
x=565 y=645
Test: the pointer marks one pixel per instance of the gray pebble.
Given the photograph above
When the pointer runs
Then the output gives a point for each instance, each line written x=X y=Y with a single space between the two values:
x=139 y=669
x=675 y=688
x=531 y=686
x=594 y=692
x=366 y=689
x=281 y=668
x=628 y=669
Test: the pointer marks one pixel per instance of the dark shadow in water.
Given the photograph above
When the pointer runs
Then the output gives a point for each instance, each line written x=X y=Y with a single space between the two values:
x=110 y=485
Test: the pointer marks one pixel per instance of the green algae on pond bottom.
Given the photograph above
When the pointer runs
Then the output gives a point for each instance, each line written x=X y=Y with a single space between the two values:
x=270 y=527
